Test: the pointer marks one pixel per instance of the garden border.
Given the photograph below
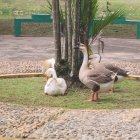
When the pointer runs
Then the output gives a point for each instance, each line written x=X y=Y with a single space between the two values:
x=21 y=75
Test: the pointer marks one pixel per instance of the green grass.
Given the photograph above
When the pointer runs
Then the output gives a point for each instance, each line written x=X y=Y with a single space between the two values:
x=131 y=8
x=29 y=91
x=40 y=6
x=18 y=8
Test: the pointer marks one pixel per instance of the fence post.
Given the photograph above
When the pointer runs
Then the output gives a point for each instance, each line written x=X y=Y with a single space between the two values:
x=17 y=26
x=138 y=31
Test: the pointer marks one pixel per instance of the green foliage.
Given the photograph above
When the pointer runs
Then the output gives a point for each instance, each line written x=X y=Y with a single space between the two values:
x=91 y=22
x=131 y=8
x=29 y=91
x=18 y=8
x=97 y=25
x=40 y=6
x=49 y=7
x=88 y=11
x=62 y=16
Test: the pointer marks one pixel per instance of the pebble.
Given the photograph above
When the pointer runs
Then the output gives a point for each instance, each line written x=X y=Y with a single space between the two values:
x=17 y=122
x=36 y=66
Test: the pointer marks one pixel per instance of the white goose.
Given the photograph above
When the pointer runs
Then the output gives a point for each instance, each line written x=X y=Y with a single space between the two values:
x=98 y=79
x=54 y=85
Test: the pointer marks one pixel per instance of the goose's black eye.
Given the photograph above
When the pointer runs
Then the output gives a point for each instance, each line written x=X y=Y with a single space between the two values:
x=76 y=47
x=78 y=43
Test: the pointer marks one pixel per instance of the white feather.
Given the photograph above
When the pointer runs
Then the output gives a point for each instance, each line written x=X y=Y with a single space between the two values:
x=54 y=85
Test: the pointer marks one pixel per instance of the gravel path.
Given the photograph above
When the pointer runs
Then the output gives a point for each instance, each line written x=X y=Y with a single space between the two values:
x=26 y=55
x=54 y=123
x=36 y=66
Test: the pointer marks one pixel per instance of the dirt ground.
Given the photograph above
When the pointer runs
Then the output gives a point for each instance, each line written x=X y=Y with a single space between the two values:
x=41 y=48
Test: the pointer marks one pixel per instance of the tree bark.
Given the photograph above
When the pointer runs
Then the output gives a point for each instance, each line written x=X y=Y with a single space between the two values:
x=86 y=37
x=66 y=34
x=56 y=30
x=69 y=29
x=76 y=35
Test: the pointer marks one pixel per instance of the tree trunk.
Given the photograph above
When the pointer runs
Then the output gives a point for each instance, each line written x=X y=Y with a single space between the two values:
x=76 y=36
x=56 y=30
x=69 y=29
x=89 y=10
x=66 y=34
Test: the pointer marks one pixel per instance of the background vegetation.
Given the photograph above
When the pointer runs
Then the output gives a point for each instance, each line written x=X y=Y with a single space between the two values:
x=10 y=9
x=19 y=8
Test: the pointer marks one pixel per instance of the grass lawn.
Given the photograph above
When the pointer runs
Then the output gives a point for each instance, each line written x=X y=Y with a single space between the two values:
x=29 y=91
x=40 y=6
x=131 y=8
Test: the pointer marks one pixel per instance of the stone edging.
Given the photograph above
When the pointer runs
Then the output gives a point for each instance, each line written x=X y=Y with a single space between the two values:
x=21 y=75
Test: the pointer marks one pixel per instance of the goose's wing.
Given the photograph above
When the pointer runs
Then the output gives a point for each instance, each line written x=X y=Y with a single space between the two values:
x=48 y=85
x=61 y=82
x=116 y=69
x=51 y=82
x=101 y=76
x=92 y=85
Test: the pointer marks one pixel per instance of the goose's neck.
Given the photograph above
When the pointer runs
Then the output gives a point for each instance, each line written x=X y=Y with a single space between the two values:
x=85 y=60
x=54 y=74
x=97 y=60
